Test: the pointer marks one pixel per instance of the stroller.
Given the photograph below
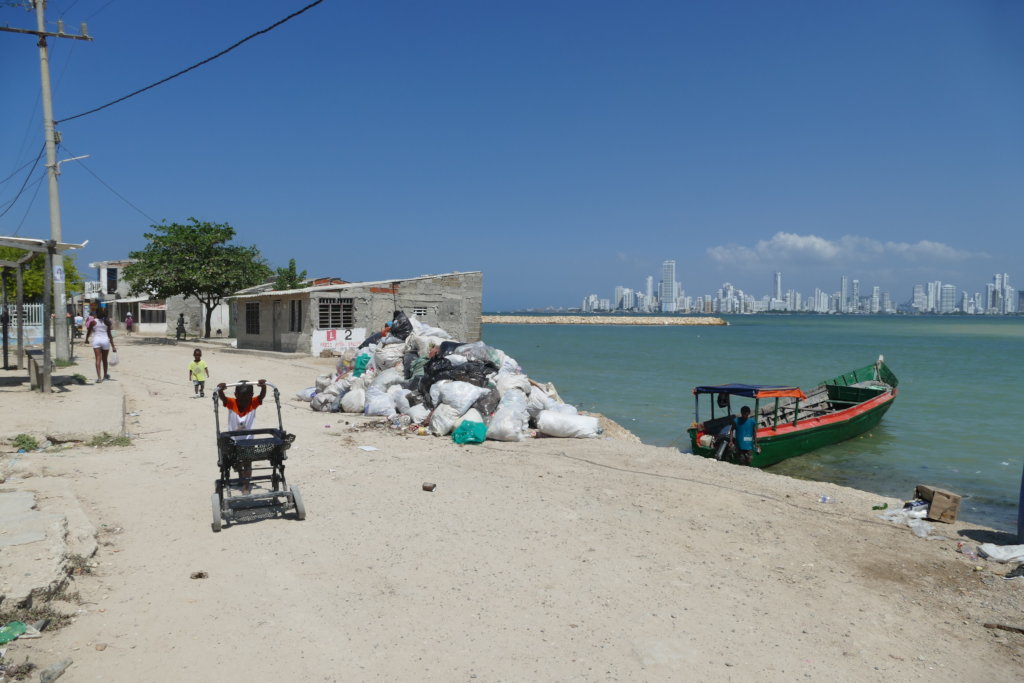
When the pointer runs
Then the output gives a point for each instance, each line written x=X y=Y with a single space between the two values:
x=253 y=446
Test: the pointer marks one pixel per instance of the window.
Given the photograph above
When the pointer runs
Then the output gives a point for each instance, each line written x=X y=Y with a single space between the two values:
x=252 y=318
x=111 y=280
x=295 y=319
x=151 y=315
x=419 y=311
x=336 y=313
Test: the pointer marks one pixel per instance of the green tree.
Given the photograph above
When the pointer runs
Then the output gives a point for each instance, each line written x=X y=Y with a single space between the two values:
x=288 y=278
x=194 y=260
x=34 y=270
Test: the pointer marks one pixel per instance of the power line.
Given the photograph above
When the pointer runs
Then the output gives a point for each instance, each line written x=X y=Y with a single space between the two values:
x=11 y=203
x=15 y=172
x=194 y=66
x=38 y=183
x=116 y=193
x=99 y=10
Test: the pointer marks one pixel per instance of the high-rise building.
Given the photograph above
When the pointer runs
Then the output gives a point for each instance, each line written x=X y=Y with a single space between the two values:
x=876 y=300
x=667 y=290
x=947 y=299
x=844 y=295
x=778 y=286
x=854 y=306
x=650 y=287
x=920 y=300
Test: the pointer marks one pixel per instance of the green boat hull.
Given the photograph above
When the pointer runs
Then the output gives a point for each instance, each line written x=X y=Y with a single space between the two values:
x=781 y=446
x=856 y=401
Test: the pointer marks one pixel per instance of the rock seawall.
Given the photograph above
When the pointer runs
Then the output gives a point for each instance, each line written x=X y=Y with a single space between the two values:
x=598 y=320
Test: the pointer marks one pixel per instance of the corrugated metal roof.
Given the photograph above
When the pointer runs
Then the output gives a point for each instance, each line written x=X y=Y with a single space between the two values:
x=350 y=285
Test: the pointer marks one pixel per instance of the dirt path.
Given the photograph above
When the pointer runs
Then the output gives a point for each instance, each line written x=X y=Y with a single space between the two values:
x=543 y=560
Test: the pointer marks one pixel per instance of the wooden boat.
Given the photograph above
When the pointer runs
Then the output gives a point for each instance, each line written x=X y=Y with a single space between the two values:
x=790 y=422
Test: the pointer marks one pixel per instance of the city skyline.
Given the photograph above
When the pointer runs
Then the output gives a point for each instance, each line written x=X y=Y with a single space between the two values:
x=997 y=297
x=553 y=146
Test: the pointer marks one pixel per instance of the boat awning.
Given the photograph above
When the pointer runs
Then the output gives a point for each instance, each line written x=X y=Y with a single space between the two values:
x=752 y=390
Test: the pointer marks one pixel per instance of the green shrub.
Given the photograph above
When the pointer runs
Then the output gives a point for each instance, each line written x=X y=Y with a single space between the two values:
x=104 y=440
x=26 y=441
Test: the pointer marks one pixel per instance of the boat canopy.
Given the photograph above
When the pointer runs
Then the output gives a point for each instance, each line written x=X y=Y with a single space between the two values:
x=752 y=390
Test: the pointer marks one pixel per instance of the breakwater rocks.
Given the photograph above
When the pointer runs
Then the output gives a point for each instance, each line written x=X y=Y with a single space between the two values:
x=599 y=320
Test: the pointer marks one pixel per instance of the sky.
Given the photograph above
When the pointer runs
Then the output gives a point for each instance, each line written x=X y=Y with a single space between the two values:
x=560 y=147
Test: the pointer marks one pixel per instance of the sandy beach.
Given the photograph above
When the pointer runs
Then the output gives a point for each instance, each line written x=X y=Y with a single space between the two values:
x=543 y=560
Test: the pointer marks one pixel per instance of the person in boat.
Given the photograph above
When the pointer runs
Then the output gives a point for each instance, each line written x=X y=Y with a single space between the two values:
x=744 y=427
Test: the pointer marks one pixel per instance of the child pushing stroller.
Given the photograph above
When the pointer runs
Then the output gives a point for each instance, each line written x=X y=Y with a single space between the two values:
x=240 y=446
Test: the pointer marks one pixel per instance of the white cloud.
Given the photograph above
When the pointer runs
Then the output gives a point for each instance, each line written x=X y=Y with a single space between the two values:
x=787 y=250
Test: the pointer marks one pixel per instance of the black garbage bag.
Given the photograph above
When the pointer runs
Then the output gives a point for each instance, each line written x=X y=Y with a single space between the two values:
x=400 y=325
x=407 y=361
x=372 y=339
x=474 y=371
x=488 y=403
x=447 y=347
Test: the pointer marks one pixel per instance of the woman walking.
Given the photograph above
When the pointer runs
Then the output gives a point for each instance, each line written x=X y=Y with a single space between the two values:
x=102 y=342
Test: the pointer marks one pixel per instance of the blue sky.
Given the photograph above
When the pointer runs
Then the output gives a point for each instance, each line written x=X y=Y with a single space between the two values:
x=562 y=148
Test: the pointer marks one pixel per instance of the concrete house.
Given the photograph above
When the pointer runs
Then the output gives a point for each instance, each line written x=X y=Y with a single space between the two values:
x=152 y=316
x=340 y=316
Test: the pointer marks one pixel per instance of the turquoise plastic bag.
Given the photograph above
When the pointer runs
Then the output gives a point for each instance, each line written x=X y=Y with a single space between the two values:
x=362 y=361
x=470 y=432
x=11 y=631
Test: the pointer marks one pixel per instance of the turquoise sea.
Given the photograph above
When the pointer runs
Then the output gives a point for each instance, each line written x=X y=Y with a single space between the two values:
x=954 y=424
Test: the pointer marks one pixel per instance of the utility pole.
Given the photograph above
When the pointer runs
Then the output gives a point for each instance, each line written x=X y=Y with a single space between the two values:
x=53 y=169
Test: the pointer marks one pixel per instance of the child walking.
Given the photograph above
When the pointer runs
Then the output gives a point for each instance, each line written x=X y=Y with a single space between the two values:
x=242 y=416
x=198 y=372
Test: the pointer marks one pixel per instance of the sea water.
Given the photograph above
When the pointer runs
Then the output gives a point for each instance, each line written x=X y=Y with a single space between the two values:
x=955 y=423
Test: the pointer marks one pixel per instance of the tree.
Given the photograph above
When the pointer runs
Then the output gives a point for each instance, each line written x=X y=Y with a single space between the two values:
x=194 y=260
x=34 y=270
x=288 y=278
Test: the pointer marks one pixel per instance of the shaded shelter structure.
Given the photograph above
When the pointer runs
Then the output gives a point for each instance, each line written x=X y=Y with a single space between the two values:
x=32 y=247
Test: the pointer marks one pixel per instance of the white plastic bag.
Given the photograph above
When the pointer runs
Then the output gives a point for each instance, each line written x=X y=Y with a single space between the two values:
x=538 y=401
x=112 y=359
x=387 y=378
x=510 y=420
x=1002 y=553
x=322 y=382
x=388 y=356
x=354 y=401
x=435 y=391
x=554 y=423
x=459 y=395
x=418 y=413
x=473 y=415
x=306 y=394
x=442 y=422
x=420 y=345
x=478 y=351
x=424 y=330
x=508 y=380
x=398 y=395
x=379 y=402
x=322 y=403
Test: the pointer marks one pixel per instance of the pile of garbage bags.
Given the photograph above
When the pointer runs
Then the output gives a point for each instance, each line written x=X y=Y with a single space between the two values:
x=420 y=377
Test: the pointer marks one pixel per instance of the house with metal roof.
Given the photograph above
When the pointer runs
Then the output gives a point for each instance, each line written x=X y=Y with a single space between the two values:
x=340 y=315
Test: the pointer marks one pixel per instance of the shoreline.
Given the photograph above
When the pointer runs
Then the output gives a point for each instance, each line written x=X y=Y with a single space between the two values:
x=598 y=320
x=582 y=559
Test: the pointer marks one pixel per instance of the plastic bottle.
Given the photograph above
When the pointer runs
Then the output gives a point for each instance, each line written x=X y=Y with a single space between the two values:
x=968 y=551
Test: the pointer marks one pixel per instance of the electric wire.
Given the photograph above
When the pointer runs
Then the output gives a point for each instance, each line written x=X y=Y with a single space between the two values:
x=99 y=10
x=11 y=203
x=38 y=183
x=15 y=172
x=116 y=193
x=194 y=66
